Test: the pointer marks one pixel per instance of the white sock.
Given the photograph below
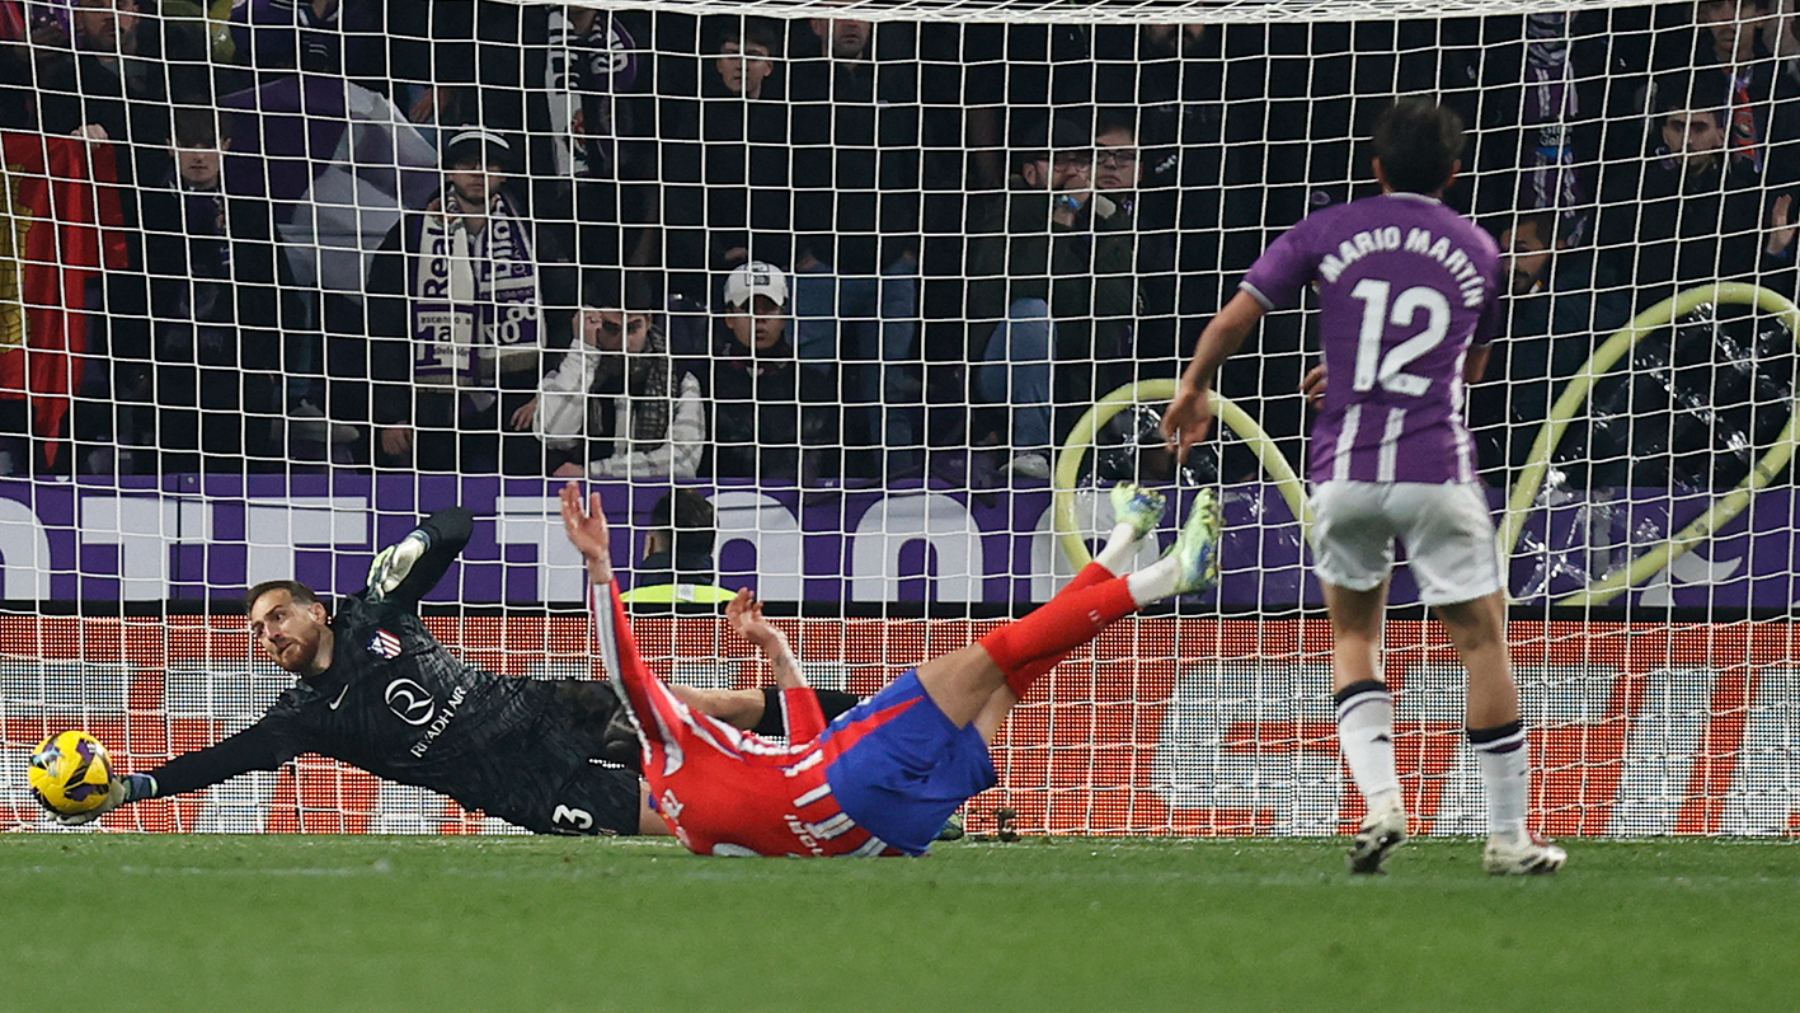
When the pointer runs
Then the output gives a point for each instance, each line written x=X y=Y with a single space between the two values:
x=1121 y=545
x=1504 y=761
x=1365 y=719
x=1155 y=582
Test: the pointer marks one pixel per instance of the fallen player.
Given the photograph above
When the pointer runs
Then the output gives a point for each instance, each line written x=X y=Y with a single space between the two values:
x=881 y=778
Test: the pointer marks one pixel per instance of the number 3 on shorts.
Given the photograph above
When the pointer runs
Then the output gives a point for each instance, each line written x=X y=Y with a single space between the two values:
x=568 y=818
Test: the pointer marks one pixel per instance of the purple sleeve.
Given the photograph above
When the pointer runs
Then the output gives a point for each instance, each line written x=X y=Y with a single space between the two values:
x=1277 y=277
x=1492 y=316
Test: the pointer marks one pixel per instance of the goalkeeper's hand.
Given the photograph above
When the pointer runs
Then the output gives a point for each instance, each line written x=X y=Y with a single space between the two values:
x=394 y=562
x=130 y=788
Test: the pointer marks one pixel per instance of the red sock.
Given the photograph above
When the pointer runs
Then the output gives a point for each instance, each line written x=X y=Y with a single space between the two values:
x=1091 y=574
x=1058 y=626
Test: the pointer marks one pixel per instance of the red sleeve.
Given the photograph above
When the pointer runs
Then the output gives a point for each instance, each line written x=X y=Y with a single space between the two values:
x=805 y=720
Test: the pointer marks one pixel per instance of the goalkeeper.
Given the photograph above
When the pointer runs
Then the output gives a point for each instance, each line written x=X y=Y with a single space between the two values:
x=377 y=690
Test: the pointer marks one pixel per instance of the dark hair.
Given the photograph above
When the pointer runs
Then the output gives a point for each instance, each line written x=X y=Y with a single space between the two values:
x=200 y=128
x=1036 y=136
x=723 y=28
x=1117 y=119
x=609 y=289
x=299 y=592
x=1543 y=219
x=1704 y=90
x=1419 y=143
x=689 y=519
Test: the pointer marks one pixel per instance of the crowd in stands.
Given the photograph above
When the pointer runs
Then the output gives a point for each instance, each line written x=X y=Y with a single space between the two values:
x=489 y=237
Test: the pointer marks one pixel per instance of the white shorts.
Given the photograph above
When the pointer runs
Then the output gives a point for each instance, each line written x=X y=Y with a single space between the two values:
x=1446 y=529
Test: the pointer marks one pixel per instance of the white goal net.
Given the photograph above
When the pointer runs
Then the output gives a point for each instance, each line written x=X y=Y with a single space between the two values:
x=840 y=295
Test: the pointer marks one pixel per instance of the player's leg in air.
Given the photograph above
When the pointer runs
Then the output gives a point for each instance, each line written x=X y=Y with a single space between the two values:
x=908 y=756
x=1452 y=552
x=1136 y=514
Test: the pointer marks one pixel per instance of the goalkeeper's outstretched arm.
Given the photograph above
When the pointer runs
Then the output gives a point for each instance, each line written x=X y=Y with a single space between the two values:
x=406 y=571
x=262 y=746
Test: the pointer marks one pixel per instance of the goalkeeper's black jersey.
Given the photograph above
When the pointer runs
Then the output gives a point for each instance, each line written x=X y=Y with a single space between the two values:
x=400 y=705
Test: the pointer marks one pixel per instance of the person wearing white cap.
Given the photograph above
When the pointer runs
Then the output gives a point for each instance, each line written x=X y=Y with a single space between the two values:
x=765 y=405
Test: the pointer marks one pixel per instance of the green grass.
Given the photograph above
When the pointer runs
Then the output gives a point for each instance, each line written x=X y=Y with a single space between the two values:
x=125 y=921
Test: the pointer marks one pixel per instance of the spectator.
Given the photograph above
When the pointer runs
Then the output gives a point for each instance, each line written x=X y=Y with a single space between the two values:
x=1757 y=90
x=318 y=36
x=742 y=209
x=1689 y=213
x=618 y=405
x=602 y=129
x=1014 y=72
x=216 y=306
x=456 y=309
x=114 y=81
x=1050 y=282
x=1170 y=74
x=678 y=564
x=1696 y=217
x=102 y=74
x=771 y=419
x=857 y=177
x=1120 y=166
x=1562 y=307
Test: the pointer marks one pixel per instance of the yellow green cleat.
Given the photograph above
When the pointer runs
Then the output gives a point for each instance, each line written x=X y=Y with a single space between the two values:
x=1137 y=506
x=1197 y=547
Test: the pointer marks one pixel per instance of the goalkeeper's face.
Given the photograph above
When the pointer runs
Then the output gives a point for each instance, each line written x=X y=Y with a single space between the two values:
x=291 y=633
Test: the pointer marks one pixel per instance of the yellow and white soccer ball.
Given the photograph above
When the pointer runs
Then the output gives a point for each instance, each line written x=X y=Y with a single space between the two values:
x=70 y=773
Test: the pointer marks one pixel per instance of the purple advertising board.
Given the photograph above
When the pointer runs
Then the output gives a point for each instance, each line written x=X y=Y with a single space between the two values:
x=185 y=538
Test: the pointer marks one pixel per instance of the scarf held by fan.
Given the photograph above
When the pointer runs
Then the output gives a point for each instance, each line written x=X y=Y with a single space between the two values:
x=475 y=301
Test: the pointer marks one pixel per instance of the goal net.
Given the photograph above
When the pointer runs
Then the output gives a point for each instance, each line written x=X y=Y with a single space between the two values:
x=864 y=305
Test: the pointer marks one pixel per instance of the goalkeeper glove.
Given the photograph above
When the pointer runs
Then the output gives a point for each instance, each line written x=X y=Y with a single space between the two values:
x=396 y=561
x=130 y=788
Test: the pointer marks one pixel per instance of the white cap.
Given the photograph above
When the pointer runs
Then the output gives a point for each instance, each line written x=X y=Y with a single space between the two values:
x=754 y=279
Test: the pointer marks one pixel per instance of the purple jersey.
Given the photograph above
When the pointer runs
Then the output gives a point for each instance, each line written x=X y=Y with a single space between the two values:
x=1406 y=285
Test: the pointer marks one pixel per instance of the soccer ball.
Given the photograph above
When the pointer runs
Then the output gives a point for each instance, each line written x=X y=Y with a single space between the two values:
x=70 y=773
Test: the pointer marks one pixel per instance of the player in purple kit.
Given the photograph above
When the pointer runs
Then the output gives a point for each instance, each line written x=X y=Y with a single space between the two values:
x=1408 y=299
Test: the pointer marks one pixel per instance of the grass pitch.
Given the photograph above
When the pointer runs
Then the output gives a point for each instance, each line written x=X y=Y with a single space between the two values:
x=124 y=921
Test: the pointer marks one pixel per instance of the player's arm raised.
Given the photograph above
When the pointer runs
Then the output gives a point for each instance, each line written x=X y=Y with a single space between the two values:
x=587 y=531
x=405 y=571
x=800 y=705
x=1190 y=414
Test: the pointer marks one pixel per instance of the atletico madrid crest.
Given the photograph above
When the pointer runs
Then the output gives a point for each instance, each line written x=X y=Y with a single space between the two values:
x=384 y=644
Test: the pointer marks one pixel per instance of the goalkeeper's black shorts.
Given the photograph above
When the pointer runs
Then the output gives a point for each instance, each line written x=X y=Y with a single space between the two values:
x=602 y=799
x=598 y=796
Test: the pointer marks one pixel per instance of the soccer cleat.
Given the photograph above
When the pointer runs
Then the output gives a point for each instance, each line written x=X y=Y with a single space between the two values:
x=952 y=830
x=1525 y=855
x=1382 y=831
x=1137 y=506
x=1196 y=549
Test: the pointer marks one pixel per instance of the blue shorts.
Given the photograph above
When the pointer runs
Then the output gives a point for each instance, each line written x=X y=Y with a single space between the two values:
x=903 y=766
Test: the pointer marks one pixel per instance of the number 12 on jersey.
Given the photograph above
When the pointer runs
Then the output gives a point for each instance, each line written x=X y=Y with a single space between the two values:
x=1380 y=311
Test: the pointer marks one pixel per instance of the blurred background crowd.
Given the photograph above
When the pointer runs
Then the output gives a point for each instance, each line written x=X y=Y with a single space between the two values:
x=483 y=237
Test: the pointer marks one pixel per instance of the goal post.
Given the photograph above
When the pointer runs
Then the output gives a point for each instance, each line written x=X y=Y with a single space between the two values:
x=895 y=289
